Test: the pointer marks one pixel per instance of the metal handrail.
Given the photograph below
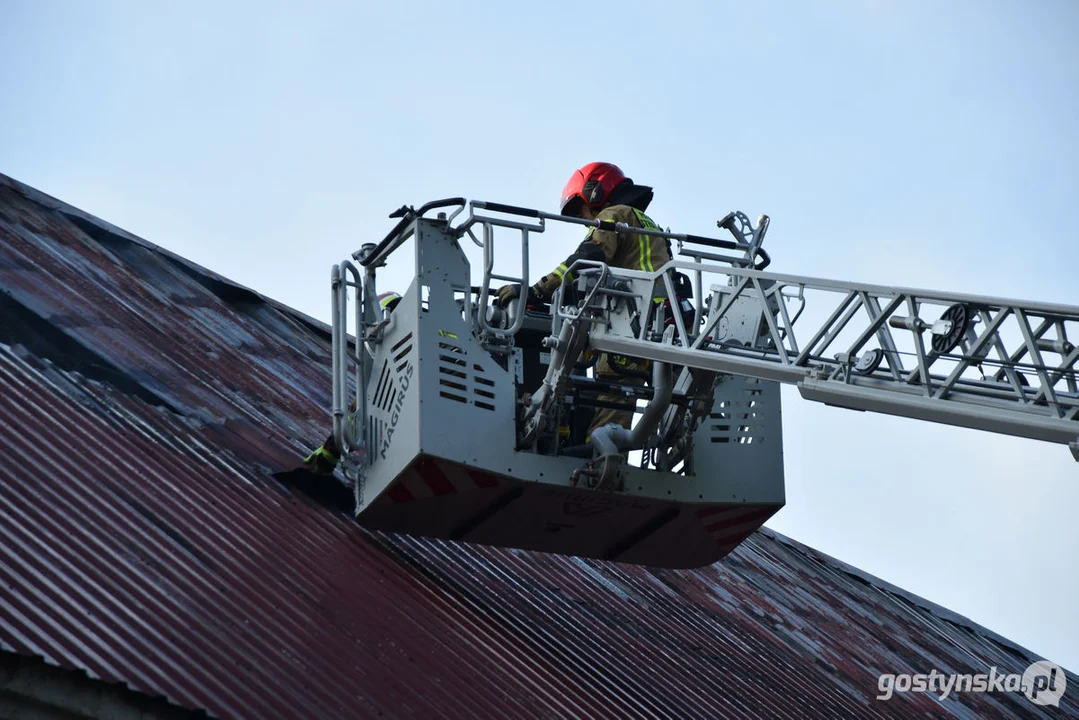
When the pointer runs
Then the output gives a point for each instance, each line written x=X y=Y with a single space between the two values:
x=373 y=256
x=752 y=250
x=339 y=350
x=489 y=275
x=398 y=235
x=618 y=227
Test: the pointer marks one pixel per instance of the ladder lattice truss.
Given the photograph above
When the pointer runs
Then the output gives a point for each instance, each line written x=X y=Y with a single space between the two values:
x=988 y=363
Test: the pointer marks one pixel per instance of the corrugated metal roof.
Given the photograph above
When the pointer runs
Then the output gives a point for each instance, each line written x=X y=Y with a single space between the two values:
x=143 y=401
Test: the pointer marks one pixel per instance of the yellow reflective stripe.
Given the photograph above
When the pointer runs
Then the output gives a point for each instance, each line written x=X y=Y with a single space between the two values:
x=645 y=242
x=562 y=270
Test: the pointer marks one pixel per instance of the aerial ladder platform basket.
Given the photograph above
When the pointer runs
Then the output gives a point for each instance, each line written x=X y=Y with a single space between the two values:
x=461 y=420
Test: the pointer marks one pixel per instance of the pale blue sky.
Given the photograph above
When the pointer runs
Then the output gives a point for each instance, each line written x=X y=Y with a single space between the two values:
x=928 y=144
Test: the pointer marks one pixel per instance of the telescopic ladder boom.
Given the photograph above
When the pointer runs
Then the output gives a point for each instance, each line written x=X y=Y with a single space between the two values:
x=987 y=363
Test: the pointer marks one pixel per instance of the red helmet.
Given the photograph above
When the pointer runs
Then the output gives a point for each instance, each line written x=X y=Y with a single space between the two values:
x=592 y=185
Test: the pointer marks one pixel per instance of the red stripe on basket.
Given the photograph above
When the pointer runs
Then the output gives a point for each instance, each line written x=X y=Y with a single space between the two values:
x=434 y=477
x=399 y=493
x=482 y=479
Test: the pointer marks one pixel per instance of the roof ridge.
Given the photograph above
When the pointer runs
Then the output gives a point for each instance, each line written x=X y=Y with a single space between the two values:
x=51 y=203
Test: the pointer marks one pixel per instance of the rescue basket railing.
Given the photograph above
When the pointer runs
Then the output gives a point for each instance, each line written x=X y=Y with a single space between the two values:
x=748 y=240
x=376 y=256
x=340 y=284
x=755 y=255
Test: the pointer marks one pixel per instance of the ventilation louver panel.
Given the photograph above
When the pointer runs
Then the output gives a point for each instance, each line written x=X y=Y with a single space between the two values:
x=461 y=383
x=740 y=420
x=387 y=387
x=401 y=350
x=452 y=372
x=483 y=389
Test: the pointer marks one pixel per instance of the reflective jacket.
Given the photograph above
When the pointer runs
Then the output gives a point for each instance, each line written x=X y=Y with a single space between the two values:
x=624 y=250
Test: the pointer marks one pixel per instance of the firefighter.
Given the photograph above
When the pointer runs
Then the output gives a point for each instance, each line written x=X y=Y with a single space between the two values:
x=601 y=191
x=323 y=460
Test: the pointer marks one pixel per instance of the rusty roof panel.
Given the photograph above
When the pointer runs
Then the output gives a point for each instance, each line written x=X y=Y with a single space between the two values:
x=143 y=400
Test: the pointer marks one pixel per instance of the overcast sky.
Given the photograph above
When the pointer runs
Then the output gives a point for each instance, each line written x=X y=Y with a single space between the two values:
x=924 y=144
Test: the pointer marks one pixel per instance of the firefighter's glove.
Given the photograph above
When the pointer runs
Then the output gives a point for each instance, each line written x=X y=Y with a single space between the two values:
x=509 y=293
x=323 y=460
